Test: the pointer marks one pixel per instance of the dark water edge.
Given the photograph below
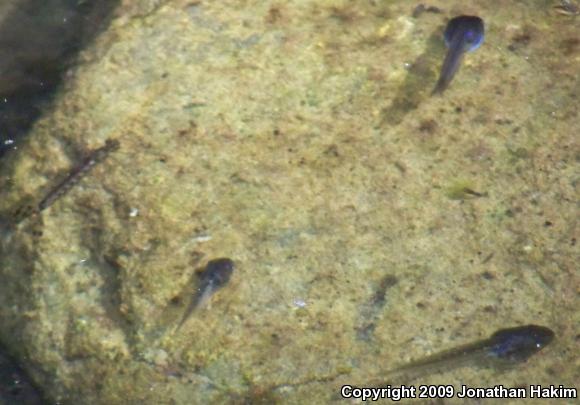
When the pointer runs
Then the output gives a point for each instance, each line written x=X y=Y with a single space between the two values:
x=39 y=40
x=16 y=387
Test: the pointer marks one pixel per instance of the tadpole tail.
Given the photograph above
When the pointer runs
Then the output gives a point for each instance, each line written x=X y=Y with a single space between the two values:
x=196 y=303
x=450 y=66
x=447 y=360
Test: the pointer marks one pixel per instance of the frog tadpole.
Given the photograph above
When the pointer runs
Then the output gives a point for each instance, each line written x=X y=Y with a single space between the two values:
x=217 y=274
x=504 y=348
x=462 y=34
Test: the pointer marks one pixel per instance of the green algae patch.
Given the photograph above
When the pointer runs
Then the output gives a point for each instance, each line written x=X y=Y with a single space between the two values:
x=462 y=189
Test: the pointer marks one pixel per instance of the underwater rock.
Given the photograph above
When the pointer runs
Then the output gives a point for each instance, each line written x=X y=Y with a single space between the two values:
x=251 y=130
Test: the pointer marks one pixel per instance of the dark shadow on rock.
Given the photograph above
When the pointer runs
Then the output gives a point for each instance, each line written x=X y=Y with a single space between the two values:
x=38 y=41
x=418 y=84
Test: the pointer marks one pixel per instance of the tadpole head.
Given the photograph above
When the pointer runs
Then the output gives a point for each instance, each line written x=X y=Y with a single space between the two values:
x=465 y=29
x=519 y=343
x=218 y=272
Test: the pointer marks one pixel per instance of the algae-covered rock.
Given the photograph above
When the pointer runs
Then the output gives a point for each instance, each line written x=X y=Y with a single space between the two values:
x=291 y=138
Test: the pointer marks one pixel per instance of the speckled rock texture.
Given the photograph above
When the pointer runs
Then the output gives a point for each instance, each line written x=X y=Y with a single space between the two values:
x=370 y=223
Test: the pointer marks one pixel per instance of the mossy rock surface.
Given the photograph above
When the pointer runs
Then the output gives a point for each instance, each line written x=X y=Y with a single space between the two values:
x=298 y=139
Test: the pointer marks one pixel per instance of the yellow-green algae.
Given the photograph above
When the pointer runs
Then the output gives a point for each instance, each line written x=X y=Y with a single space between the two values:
x=315 y=159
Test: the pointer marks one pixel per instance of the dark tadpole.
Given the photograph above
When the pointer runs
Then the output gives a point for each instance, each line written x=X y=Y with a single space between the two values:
x=503 y=349
x=215 y=276
x=462 y=34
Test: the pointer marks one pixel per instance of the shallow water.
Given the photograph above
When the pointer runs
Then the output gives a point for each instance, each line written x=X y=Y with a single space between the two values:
x=39 y=40
x=370 y=224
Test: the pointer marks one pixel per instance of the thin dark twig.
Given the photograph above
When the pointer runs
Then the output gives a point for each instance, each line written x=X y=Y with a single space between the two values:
x=76 y=174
